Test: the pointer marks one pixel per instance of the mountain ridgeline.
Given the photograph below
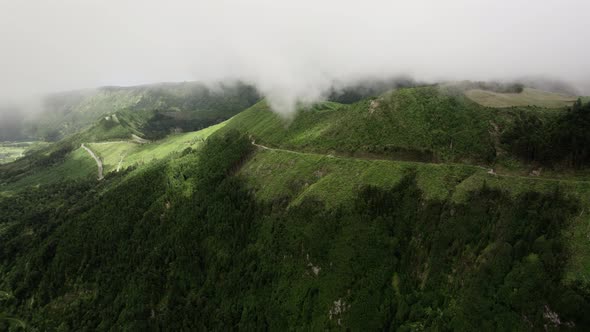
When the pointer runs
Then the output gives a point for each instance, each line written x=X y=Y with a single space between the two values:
x=155 y=109
x=417 y=209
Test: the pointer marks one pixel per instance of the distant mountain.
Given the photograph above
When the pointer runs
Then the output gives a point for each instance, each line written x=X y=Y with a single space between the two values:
x=157 y=108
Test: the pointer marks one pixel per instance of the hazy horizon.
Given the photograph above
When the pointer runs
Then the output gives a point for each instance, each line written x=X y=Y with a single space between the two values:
x=291 y=50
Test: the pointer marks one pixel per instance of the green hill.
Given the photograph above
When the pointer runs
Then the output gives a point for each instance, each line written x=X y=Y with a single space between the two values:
x=376 y=215
x=154 y=109
x=76 y=164
x=428 y=124
x=123 y=154
x=418 y=123
x=137 y=114
x=432 y=124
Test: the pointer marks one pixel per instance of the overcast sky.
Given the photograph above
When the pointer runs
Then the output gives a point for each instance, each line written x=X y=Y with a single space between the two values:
x=290 y=49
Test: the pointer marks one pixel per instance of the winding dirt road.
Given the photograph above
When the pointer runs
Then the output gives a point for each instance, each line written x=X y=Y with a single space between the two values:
x=98 y=162
x=489 y=171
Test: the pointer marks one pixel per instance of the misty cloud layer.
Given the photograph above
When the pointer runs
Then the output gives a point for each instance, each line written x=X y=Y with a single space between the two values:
x=292 y=50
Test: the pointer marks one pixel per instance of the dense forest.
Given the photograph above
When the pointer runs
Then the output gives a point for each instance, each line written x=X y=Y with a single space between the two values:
x=184 y=245
x=559 y=140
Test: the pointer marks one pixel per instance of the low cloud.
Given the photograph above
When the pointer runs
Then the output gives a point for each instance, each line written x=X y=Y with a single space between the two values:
x=293 y=51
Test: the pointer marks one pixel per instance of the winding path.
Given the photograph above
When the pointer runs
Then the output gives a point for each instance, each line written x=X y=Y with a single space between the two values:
x=491 y=172
x=283 y=150
x=138 y=139
x=98 y=161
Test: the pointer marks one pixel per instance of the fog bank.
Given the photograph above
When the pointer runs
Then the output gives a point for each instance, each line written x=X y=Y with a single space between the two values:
x=291 y=50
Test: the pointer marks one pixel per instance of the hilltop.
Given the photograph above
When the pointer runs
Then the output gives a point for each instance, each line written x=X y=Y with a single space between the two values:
x=415 y=123
x=429 y=124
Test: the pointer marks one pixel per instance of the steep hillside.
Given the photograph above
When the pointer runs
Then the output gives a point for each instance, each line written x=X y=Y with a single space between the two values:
x=134 y=115
x=72 y=162
x=119 y=155
x=423 y=124
x=293 y=177
x=288 y=242
x=429 y=124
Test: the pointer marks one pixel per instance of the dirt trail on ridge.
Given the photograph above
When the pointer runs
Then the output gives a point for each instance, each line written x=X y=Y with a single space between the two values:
x=97 y=159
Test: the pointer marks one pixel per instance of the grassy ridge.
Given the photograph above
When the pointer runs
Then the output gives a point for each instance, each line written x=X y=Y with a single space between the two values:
x=428 y=124
x=419 y=123
x=78 y=164
x=130 y=153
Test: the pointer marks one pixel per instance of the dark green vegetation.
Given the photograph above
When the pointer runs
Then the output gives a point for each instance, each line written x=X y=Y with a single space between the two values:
x=186 y=245
x=323 y=227
x=418 y=124
x=563 y=138
x=432 y=124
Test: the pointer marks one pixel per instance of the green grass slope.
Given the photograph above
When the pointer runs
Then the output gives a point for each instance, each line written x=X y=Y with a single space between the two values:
x=427 y=124
x=68 y=161
x=138 y=114
x=123 y=154
x=333 y=180
x=76 y=165
x=417 y=124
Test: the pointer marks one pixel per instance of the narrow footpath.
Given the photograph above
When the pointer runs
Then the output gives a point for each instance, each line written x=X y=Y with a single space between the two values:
x=491 y=172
